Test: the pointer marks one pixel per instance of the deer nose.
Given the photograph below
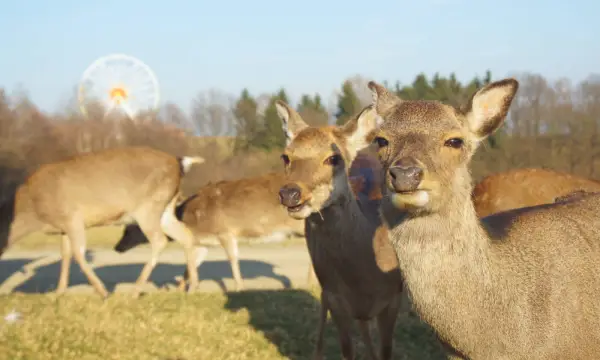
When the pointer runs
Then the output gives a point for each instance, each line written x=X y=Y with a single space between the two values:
x=405 y=175
x=289 y=195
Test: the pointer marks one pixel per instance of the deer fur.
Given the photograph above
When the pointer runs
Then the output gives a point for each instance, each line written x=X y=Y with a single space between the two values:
x=348 y=245
x=525 y=187
x=227 y=210
x=115 y=186
x=521 y=284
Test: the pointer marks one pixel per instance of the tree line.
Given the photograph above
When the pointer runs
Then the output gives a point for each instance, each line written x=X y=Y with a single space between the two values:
x=551 y=123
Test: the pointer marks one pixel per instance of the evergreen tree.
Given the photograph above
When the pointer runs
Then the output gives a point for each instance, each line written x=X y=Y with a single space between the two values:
x=247 y=126
x=312 y=110
x=271 y=136
x=348 y=104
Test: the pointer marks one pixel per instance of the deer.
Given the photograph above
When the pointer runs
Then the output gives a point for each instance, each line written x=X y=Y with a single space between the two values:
x=113 y=186
x=525 y=187
x=520 y=284
x=347 y=242
x=226 y=210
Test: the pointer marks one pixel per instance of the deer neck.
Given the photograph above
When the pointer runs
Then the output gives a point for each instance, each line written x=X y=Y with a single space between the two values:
x=344 y=224
x=441 y=253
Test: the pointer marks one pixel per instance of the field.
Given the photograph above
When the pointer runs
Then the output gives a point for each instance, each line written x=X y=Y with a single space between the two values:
x=266 y=324
x=274 y=319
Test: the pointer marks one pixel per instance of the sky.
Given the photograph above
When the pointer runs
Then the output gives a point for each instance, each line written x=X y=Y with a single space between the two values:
x=305 y=46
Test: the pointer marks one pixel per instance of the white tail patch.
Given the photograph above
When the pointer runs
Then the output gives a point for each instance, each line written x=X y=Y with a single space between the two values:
x=188 y=161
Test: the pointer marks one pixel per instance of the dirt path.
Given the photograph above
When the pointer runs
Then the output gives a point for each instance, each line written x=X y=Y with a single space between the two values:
x=262 y=267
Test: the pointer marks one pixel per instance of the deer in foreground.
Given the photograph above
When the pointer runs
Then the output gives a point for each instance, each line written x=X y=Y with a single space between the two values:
x=522 y=284
x=227 y=210
x=352 y=257
x=525 y=187
x=115 y=186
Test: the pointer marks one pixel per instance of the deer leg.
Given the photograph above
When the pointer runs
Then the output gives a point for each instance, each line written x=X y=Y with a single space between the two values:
x=76 y=234
x=343 y=323
x=65 y=264
x=201 y=253
x=386 y=322
x=158 y=241
x=178 y=231
x=365 y=332
x=230 y=245
x=318 y=355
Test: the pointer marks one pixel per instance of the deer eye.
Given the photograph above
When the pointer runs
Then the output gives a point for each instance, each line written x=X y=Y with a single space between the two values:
x=286 y=159
x=455 y=143
x=333 y=160
x=381 y=142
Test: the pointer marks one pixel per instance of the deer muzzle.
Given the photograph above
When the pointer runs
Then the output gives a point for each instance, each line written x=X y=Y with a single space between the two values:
x=405 y=175
x=290 y=196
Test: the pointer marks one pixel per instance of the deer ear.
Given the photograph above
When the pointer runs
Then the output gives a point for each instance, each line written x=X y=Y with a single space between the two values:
x=291 y=122
x=489 y=106
x=383 y=99
x=357 y=129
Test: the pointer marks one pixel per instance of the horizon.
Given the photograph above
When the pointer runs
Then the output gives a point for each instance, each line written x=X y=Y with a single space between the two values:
x=306 y=49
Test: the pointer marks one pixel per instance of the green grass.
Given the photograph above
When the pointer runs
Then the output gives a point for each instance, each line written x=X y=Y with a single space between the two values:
x=170 y=325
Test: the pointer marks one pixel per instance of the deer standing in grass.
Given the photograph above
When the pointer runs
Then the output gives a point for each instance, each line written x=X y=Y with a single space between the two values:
x=522 y=284
x=519 y=188
x=115 y=186
x=352 y=257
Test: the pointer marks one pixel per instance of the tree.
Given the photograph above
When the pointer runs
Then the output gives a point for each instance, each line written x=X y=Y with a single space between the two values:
x=213 y=114
x=312 y=111
x=271 y=136
x=348 y=104
x=247 y=122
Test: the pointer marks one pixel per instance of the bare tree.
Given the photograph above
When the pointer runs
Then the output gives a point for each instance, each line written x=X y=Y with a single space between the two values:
x=359 y=85
x=172 y=114
x=212 y=113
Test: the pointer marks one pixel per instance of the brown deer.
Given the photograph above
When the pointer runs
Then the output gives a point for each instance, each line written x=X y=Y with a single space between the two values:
x=525 y=187
x=522 y=284
x=227 y=210
x=352 y=257
x=115 y=186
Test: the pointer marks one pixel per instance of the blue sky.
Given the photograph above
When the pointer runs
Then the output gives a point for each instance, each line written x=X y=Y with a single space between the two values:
x=305 y=46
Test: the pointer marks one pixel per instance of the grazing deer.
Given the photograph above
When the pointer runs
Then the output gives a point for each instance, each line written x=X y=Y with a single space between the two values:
x=352 y=257
x=519 y=188
x=227 y=210
x=115 y=186
x=522 y=284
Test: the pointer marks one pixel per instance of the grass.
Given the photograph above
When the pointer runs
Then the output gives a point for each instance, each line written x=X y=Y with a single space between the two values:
x=170 y=325
x=106 y=237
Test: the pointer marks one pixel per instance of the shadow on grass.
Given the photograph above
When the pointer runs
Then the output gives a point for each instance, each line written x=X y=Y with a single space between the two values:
x=289 y=318
x=45 y=277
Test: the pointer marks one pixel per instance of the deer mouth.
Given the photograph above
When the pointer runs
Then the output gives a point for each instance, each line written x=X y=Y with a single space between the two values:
x=413 y=198
x=296 y=208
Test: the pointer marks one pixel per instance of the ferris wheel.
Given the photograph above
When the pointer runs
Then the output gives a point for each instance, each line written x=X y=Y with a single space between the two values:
x=119 y=82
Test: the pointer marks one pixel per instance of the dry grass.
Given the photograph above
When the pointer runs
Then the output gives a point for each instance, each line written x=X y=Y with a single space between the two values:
x=102 y=237
x=170 y=325
x=106 y=237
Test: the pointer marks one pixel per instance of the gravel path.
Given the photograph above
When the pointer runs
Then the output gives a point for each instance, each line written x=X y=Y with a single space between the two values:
x=262 y=267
